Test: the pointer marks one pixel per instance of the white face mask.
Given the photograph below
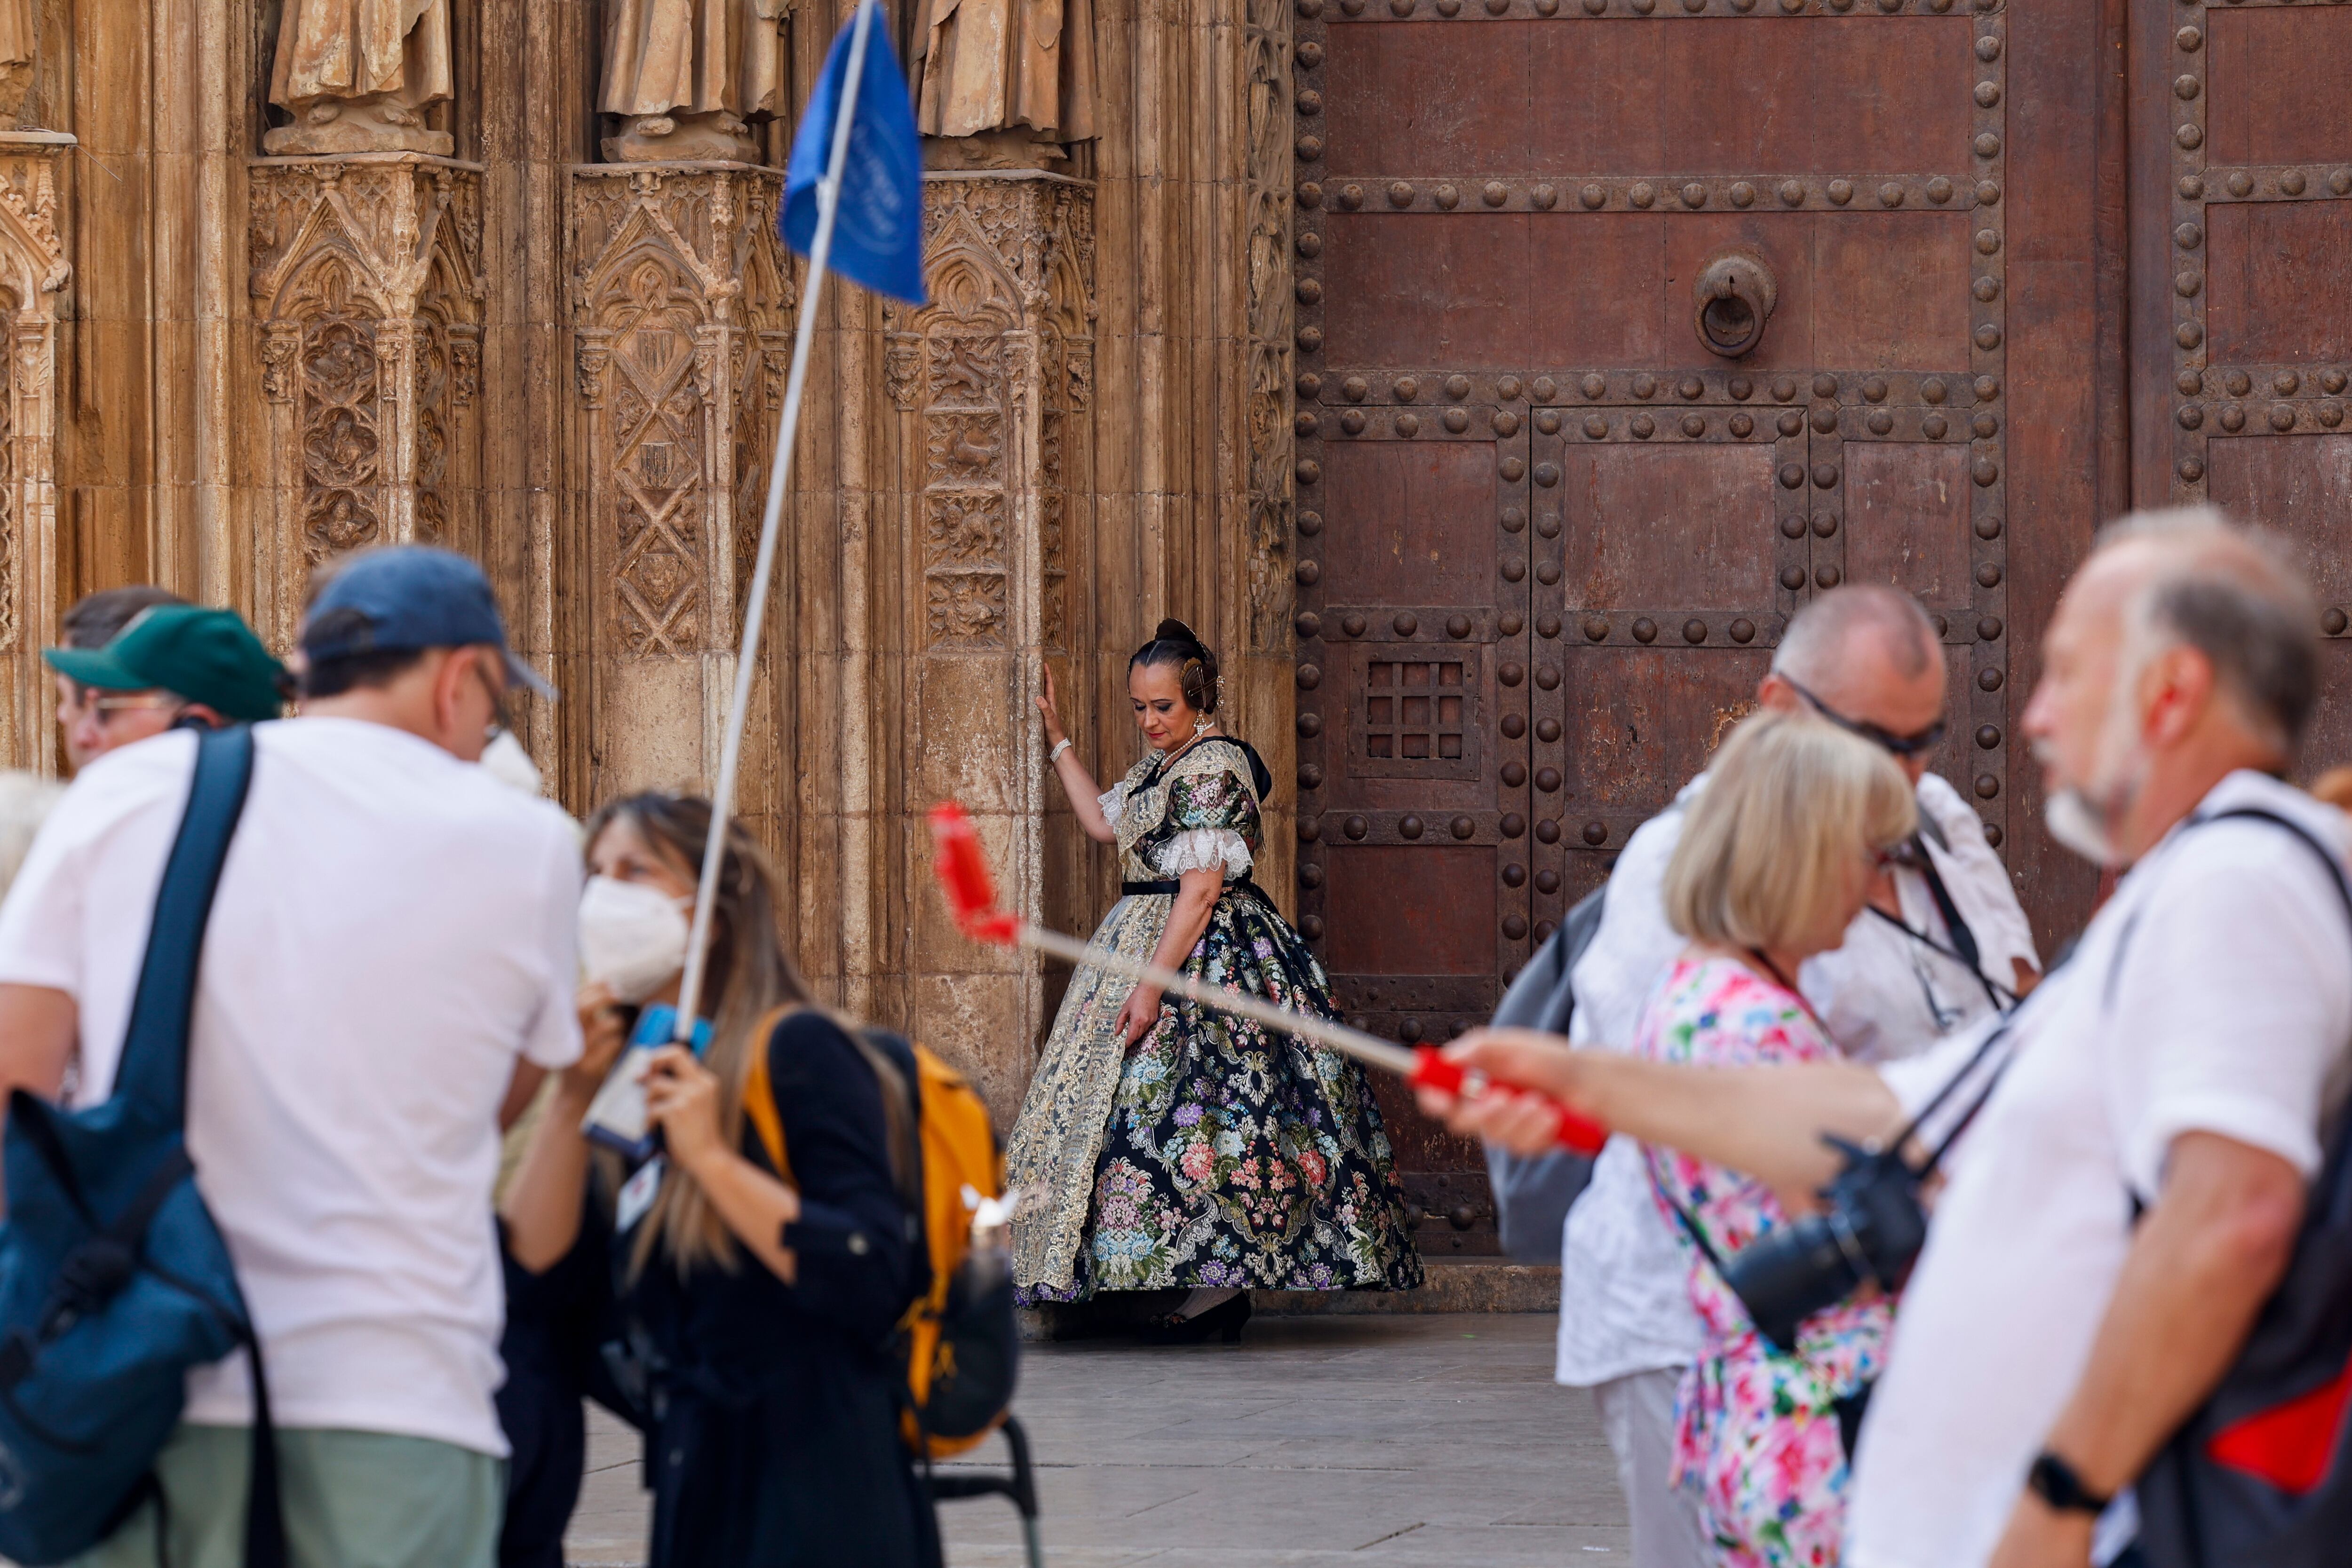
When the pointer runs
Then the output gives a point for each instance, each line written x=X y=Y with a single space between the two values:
x=632 y=937
x=505 y=760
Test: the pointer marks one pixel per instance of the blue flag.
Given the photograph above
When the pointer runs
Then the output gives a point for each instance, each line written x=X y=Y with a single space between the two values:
x=878 y=236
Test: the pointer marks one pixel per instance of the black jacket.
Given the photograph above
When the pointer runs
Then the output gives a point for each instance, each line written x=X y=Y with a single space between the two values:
x=772 y=1432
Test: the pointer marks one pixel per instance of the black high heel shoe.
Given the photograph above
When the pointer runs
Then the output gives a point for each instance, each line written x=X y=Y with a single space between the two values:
x=1226 y=1317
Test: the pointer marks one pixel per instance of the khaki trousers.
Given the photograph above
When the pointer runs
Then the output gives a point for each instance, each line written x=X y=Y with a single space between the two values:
x=351 y=1500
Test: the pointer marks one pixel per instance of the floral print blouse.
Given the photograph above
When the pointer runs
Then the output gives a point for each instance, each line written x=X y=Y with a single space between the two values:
x=1757 y=1429
x=1191 y=813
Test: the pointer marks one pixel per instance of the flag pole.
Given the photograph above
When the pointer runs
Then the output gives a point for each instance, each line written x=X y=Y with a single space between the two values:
x=755 y=612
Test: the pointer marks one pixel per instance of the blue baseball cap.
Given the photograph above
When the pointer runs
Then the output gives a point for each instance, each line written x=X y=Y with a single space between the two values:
x=403 y=597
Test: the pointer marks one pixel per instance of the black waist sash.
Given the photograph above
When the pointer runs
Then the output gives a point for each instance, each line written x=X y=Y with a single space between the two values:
x=1172 y=886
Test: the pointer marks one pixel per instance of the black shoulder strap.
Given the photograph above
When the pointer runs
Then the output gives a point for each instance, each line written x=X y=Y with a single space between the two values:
x=1964 y=941
x=2332 y=859
x=155 y=1066
x=1964 y=949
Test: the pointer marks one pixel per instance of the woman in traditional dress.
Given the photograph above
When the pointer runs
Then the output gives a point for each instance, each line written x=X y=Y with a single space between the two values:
x=1166 y=1145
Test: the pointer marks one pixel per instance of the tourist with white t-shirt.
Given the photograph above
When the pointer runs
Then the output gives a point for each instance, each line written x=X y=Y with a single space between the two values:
x=392 y=934
x=1866 y=658
x=2183 y=1062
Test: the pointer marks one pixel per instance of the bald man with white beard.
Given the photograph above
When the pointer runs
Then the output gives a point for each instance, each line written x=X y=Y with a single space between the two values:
x=1867 y=659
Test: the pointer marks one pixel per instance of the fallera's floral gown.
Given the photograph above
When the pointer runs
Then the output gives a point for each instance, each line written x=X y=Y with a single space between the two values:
x=1220 y=1152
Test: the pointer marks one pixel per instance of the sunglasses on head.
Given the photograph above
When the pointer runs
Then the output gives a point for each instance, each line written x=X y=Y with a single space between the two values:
x=1912 y=744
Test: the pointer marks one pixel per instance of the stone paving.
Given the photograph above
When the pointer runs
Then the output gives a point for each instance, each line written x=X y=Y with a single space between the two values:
x=1435 y=1442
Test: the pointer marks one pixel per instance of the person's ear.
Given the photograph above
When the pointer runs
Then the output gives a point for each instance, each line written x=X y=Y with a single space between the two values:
x=2180 y=688
x=1774 y=692
x=449 y=688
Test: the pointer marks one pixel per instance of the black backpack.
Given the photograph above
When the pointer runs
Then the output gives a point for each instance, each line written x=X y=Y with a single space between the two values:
x=2262 y=1472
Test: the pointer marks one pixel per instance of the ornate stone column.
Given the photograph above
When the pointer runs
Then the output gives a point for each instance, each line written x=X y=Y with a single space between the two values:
x=32 y=270
x=682 y=316
x=367 y=302
x=993 y=385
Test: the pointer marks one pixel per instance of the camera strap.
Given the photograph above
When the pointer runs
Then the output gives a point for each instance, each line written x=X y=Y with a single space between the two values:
x=1999 y=1033
x=1964 y=949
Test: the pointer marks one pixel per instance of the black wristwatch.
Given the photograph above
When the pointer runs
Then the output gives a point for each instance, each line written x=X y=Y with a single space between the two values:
x=2053 y=1480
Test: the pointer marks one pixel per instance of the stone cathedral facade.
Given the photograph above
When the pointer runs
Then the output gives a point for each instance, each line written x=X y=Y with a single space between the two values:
x=282 y=278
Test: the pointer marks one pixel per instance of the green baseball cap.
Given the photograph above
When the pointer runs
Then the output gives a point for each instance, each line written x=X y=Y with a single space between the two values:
x=208 y=656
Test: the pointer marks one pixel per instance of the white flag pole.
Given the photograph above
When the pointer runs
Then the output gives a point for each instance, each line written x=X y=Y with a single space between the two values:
x=722 y=797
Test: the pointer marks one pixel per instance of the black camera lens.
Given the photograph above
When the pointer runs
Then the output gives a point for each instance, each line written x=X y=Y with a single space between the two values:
x=1871 y=1228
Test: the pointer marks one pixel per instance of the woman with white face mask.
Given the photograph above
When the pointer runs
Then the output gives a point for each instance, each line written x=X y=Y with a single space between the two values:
x=758 y=1310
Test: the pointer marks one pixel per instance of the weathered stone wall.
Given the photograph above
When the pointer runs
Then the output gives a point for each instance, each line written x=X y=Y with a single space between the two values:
x=247 y=335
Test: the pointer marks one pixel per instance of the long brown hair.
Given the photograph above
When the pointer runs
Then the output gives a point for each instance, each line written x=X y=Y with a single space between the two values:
x=748 y=974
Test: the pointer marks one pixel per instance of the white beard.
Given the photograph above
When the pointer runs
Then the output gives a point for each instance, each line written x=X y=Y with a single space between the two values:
x=2083 y=817
x=2077 y=824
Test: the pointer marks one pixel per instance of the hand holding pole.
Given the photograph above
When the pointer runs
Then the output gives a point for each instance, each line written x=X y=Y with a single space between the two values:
x=963 y=870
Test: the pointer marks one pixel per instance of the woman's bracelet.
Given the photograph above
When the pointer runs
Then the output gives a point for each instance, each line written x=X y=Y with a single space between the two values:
x=1056 y=754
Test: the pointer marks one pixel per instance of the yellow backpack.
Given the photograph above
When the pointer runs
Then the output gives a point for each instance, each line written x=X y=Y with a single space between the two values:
x=961 y=1343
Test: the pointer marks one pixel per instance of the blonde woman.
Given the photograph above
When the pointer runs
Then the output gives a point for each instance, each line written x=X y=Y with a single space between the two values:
x=1775 y=862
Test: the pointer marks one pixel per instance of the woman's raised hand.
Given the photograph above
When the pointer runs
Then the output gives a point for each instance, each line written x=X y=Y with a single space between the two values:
x=1053 y=733
x=682 y=1100
x=604 y=1032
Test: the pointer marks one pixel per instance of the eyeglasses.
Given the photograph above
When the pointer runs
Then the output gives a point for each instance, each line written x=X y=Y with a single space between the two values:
x=1912 y=744
x=105 y=708
x=500 y=720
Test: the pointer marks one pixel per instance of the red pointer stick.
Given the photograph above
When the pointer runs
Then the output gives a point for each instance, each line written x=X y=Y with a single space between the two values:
x=963 y=869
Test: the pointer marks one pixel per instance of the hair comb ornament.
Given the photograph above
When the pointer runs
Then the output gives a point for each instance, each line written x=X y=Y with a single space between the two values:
x=961 y=866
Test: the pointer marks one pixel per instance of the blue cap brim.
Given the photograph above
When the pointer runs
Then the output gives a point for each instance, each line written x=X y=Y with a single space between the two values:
x=530 y=680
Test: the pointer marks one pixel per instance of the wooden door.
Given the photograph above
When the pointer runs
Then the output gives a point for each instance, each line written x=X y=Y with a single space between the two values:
x=1626 y=326
x=2242 y=216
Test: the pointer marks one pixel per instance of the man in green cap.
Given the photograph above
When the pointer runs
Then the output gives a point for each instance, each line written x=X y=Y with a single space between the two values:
x=172 y=662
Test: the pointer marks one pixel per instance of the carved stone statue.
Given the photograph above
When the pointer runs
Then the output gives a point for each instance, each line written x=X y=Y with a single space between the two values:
x=358 y=74
x=1005 y=73
x=20 y=30
x=685 y=76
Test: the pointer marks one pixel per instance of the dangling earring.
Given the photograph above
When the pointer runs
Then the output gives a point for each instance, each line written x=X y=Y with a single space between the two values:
x=1202 y=724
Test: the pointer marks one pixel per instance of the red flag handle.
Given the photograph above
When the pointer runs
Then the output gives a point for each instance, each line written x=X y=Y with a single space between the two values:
x=1433 y=1071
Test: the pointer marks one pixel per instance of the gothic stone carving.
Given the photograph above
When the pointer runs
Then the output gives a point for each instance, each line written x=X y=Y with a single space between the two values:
x=683 y=313
x=992 y=368
x=32 y=270
x=367 y=305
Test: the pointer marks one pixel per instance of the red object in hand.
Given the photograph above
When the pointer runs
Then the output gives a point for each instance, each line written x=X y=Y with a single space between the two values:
x=1433 y=1071
x=963 y=870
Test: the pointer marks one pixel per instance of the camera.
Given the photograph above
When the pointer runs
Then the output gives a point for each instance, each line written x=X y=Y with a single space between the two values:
x=1871 y=1228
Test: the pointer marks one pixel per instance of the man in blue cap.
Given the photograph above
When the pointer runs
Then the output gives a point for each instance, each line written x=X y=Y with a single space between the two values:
x=170 y=663
x=393 y=936
x=412 y=638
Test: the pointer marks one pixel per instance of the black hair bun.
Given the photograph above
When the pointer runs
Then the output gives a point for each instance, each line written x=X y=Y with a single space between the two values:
x=1173 y=642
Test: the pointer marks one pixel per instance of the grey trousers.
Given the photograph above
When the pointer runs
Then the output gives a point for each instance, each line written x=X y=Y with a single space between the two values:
x=1637 y=1417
